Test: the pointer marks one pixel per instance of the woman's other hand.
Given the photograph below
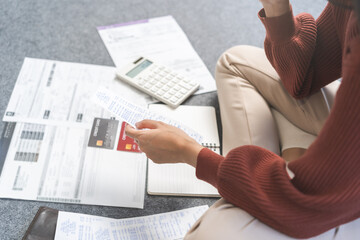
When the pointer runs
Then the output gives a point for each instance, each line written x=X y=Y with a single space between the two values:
x=163 y=143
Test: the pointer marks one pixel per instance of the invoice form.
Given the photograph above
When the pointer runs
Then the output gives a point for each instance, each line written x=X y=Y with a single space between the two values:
x=54 y=163
x=54 y=92
x=162 y=40
x=165 y=226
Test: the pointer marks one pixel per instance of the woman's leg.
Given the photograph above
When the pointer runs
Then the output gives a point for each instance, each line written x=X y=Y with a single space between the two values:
x=247 y=85
x=293 y=141
x=226 y=221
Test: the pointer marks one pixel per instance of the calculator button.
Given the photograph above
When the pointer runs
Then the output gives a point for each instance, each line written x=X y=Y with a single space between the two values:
x=154 y=89
x=183 y=91
x=173 y=99
x=167 y=95
x=166 y=88
x=187 y=87
x=170 y=84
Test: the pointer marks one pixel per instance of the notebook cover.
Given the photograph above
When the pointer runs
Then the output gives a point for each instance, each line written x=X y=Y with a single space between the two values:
x=43 y=226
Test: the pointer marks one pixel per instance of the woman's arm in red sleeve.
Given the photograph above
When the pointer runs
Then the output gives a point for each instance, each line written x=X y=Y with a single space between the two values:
x=305 y=52
x=325 y=191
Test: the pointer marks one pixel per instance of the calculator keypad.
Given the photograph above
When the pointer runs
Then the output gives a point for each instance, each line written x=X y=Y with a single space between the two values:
x=166 y=85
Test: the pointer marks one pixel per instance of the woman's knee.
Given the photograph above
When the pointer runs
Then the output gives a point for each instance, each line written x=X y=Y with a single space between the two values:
x=234 y=56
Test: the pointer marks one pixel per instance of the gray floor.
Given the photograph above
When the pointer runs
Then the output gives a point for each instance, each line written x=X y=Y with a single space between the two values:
x=66 y=30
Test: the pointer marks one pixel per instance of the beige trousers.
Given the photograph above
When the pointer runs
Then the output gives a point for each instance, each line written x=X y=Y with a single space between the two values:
x=257 y=110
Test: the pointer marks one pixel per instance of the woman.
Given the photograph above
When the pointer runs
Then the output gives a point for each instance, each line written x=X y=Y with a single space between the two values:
x=319 y=189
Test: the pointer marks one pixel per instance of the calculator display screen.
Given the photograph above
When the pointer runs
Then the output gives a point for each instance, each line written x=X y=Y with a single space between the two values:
x=139 y=68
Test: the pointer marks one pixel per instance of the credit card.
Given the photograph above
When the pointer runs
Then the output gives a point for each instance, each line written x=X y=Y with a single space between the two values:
x=126 y=143
x=103 y=133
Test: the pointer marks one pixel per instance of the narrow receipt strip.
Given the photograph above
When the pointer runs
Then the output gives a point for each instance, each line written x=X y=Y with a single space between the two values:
x=132 y=113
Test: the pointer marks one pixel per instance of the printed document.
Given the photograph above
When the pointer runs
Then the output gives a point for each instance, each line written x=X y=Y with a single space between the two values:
x=55 y=163
x=132 y=113
x=165 y=226
x=160 y=39
x=58 y=93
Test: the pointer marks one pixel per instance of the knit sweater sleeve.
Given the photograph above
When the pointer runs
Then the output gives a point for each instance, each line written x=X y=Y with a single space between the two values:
x=306 y=53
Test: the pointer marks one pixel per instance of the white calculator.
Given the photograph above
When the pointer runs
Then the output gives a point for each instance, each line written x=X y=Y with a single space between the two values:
x=158 y=81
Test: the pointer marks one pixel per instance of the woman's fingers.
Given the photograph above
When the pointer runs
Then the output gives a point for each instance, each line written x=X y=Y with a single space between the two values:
x=135 y=133
x=150 y=124
x=131 y=132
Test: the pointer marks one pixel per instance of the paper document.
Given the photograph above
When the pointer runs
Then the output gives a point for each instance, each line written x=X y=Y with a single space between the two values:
x=53 y=92
x=165 y=226
x=55 y=163
x=132 y=113
x=160 y=39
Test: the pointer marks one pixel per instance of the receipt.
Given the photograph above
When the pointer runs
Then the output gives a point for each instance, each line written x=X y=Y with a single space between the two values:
x=132 y=113
x=165 y=226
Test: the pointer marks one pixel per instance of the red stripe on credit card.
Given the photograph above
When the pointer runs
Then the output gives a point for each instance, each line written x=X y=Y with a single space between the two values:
x=126 y=143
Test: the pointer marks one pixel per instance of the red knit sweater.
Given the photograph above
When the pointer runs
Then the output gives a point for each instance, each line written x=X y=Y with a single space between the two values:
x=325 y=193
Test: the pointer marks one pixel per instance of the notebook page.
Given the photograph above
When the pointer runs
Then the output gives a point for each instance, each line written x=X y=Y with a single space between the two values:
x=180 y=178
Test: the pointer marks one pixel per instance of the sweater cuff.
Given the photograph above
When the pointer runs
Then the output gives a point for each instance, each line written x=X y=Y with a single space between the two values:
x=278 y=29
x=207 y=166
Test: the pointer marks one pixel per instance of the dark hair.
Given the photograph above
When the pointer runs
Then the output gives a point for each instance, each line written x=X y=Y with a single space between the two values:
x=349 y=4
x=357 y=8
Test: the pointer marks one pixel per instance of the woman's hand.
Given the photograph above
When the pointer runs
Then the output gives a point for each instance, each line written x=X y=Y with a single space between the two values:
x=163 y=143
x=274 y=8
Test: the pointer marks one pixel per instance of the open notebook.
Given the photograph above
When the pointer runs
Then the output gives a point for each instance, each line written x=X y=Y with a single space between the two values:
x=180 y=179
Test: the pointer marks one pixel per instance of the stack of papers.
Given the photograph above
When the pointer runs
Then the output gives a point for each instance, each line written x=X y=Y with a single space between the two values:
x=160 y=39
x=46 y=147
x=45 y=144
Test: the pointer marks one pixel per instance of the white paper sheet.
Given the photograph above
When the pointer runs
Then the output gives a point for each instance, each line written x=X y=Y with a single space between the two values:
x=165 y=226
x=54 y=163
x=53 y=92
x=160 y=39
x=132 y=113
